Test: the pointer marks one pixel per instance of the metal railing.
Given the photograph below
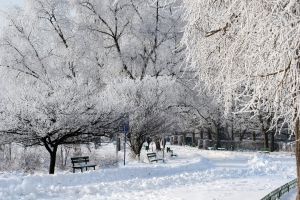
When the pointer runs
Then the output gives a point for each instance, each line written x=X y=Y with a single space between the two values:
x=276 y=194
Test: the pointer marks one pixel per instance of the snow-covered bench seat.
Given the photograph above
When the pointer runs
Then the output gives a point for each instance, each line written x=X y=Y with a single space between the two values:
x=152 y=157
x=81 y=163
x=264 y=150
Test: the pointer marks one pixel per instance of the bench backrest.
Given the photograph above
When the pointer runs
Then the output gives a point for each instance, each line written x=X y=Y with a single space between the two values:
x=83 y=159
x=151 y=155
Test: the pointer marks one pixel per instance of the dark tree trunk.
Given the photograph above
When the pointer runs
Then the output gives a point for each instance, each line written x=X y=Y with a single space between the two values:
x=157 y=144
x=164 y=140
x=52 y=149
x=201 y=134
x=232 y=132
x=209 y=135
x=193 y=139
x=264 y=132
x=242 y=135
x=184 y=139
x=148 y=140
x=218 y=138
x=52 y=160
x=266 y=139
x=272 y=142
x=254 y=136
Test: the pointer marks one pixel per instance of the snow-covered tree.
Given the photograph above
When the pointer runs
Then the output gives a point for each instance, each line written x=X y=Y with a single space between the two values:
x=71 y=114
x=54 y=94
x=62 y=60
x=249 y=49
x=147 y=108
x=137 y=37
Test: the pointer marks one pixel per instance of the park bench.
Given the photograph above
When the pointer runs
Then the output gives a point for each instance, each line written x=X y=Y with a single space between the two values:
x=152 y=157
x=211 y=148
x=169 y=150
x=221 y=149
x=81 y=163
x=264 y=150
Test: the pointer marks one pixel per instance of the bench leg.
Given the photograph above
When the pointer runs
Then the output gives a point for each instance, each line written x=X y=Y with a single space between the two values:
x=73 y=170
x=94 y=167
x=81 y=169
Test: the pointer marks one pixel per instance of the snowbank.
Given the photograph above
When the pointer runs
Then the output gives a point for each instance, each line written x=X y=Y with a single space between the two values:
x=194 y=174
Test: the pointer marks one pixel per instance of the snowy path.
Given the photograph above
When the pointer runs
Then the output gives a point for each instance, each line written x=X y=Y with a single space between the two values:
x=193 y=175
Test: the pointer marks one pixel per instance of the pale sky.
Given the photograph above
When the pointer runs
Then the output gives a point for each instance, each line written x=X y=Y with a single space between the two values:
x=5 y=4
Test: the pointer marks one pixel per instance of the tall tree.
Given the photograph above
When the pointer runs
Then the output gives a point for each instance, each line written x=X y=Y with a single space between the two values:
x=252 y=49
x=56 y=95
x=140 y=40
x=149 y=116
x=140 y=37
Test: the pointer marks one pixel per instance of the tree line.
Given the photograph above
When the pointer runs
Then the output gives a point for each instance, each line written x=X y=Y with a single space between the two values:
x=71 y=71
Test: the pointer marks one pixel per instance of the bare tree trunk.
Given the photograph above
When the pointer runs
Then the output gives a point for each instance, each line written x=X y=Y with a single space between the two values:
x=232 y=132
x=52 y=160
x=201 y=134
x=218 y=137
x=193 y=139
x=264 y=132
x=297 y=133
x=157 y=144
x=272 y=146
x=266 y=139
x=9 y=152
x=209 y=135
x=184 y=139
x=254 y=136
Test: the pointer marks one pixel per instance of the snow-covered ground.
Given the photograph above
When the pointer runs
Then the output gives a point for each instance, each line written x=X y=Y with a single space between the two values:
x=194 y=174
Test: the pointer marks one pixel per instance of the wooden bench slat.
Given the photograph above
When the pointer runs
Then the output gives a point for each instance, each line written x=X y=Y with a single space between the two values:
x=80 y=161
x=76 y=158
x=83 y=163
x=152 y=157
